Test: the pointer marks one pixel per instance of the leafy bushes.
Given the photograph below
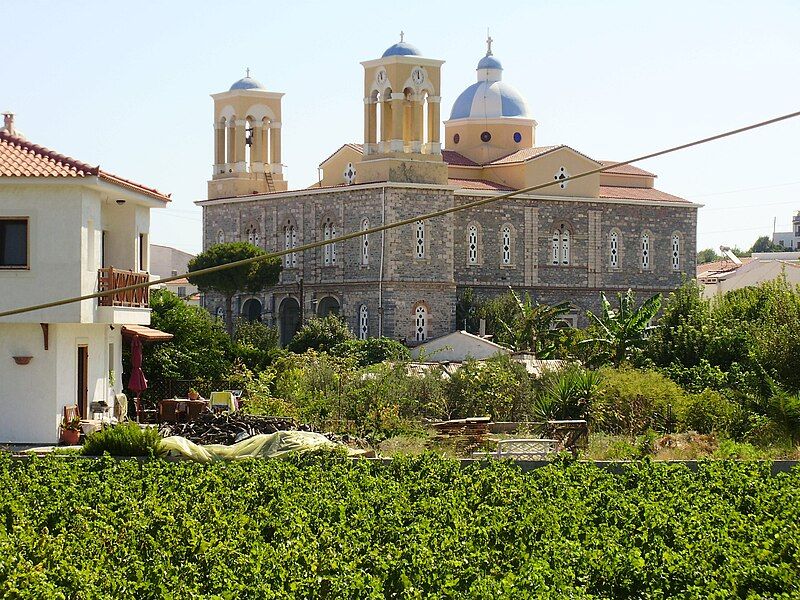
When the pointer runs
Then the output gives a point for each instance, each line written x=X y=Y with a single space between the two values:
x=422 y=527
x=498 y=387
x=125 y=439
x=630 y=402
x=371 y=351
x=321 y=334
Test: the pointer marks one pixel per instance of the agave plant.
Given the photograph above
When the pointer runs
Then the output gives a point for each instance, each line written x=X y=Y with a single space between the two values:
x=623 y=330
x=534 y=326
x=567 y=395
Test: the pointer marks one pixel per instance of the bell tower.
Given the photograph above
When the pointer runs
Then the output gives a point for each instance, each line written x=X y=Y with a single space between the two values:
x=401 y=118
x=247 y=141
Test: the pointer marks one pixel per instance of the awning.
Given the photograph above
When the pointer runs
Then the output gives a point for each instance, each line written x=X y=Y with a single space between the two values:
x=146 y=334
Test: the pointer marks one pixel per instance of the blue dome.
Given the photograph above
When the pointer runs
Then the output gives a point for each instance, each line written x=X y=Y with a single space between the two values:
x=489 y=62
x=247 y=83
x=401 y=49
x=490 y=100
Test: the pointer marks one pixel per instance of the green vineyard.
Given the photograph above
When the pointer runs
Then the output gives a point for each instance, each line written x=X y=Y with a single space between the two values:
x=326 y=527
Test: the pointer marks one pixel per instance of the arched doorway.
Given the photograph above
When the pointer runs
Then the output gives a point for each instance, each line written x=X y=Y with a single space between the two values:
x=328 y=305
x=251 y=310
x=289 y=317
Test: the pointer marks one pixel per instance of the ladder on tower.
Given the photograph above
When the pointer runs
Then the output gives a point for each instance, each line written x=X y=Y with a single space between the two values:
x=270 y=182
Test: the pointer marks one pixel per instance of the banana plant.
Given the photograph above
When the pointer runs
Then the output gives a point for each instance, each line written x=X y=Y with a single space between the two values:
x=534 y=326
x=623 y=330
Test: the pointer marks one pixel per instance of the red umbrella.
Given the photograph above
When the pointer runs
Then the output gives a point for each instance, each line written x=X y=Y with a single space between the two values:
x=137 y=382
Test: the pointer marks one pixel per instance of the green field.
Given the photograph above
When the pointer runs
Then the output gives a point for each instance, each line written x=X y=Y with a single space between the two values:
x=413 y=528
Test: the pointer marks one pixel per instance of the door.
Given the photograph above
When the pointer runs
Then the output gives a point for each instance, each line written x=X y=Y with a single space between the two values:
x=83 y=380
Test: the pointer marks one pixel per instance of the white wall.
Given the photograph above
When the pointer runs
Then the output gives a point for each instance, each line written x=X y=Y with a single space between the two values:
x=54 y=235
x=457 y=347
x=33 y=396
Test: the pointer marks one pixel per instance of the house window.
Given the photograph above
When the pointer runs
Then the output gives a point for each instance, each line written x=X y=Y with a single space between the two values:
x=220 y=312
x=421 y=324
x=613 y=250
x=506 y=245
x=365 y=242
x=472 y=245
x=561 y=247
x=420 y=244
x=676 y=252
x=142 y=252
x=646 y=251
x=363 y=322
x=329 y=250
x=14 y=243
x=220 y=237
x=182 y=292
x=289 y=242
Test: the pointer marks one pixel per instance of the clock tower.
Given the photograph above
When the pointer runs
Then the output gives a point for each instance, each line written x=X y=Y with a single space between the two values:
x=401 y=118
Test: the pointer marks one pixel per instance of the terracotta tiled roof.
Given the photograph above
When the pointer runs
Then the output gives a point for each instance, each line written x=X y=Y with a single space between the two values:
x=626 y=169
x=21 y=158
x=452 y=157
x=720 y=266
x=479 y=184
x=632 y=193
x=524 y=154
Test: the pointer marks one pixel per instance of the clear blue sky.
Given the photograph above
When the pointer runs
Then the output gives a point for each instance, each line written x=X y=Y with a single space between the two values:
x=126 y=85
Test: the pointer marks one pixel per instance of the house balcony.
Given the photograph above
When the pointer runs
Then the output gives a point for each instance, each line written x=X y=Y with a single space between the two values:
x=126 y=307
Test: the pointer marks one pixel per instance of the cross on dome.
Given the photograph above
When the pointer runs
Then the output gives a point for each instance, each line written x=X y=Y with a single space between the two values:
x=247 y=72
x=489 y=41
x=401 y=35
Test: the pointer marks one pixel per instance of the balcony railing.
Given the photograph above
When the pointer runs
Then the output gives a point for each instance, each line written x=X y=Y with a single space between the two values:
x=111 y=278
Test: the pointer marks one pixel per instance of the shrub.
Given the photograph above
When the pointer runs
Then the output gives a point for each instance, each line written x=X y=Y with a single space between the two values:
x=320 y=334
x=125 y=439
x=709 y=411
x=566 y=394
x=631 y=402
x=499 y=387
x=372 y=351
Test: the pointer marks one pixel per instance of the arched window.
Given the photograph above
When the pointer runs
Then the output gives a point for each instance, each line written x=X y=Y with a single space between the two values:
x=220 y=312
x=365 y=242
x=561 y=246
x=505 y=245
x=363 y=322
x=220 y=237
x=472 y=245
x=613 y=250
x=421 y=323
x=289 y=242
x=645 y=251
x=676 y=252
x=329 y=250
x=420 y=240
x=253 y=236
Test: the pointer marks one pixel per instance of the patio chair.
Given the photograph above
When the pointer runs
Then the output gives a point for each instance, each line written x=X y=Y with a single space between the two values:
x=144 y=415
x=194 y=408
x=168 y=411
x=222 y=402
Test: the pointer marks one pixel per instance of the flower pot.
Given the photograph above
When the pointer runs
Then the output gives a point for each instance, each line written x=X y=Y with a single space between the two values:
x=70 y=437
x=22 y=360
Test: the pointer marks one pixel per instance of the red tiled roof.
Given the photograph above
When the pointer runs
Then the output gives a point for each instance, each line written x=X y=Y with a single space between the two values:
x=523 y=155
x=720 y=266
x=451 y=157
x=632 y=193
x=479 y=184
x=626 y=169
x=21 y=158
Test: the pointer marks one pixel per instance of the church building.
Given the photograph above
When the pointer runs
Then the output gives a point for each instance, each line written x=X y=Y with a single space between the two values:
x=606 y=232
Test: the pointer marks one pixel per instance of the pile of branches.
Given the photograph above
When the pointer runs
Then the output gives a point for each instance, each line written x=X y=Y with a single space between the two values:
x=210 y=428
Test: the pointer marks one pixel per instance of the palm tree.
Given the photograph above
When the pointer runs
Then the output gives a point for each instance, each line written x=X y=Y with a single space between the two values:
x=623 y=330
x=534 y=326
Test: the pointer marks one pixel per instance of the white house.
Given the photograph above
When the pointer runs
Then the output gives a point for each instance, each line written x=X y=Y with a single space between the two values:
x=458 y=347
x=66 y=229
x=723 y=276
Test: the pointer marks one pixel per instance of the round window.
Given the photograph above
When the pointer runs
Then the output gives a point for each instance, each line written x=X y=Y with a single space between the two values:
x=456 y=138
x=486 y=136
x=517 y=137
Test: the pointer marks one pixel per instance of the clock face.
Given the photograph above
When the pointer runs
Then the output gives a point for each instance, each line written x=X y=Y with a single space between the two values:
x=418 y=76
x=380 y=77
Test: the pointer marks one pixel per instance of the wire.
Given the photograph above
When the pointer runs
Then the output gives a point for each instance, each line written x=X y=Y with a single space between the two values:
x=402 y=222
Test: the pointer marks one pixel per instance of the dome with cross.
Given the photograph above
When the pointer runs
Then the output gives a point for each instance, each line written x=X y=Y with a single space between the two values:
x=401 y=48
x=490 y=97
